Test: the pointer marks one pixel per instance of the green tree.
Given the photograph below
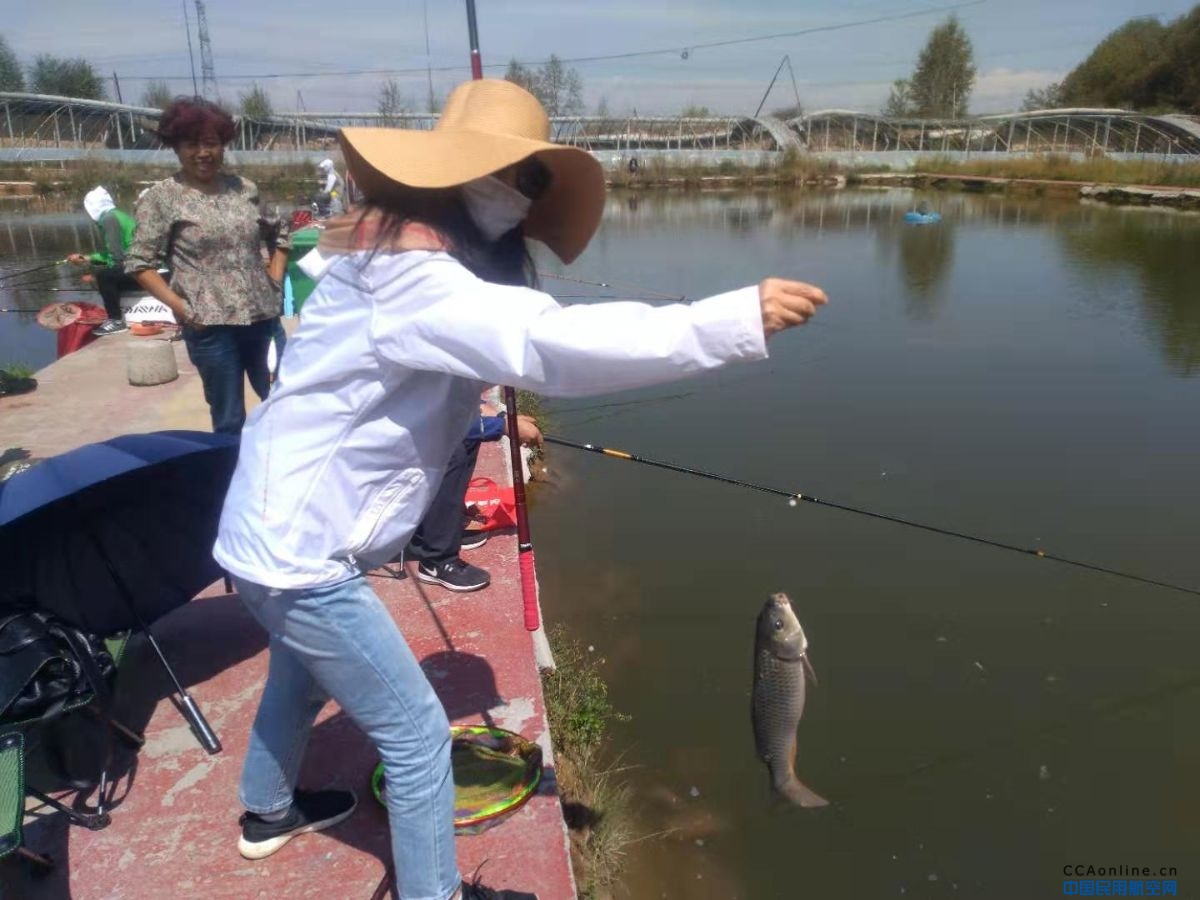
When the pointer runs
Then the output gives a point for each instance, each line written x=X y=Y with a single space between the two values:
x=157 y=94
x=794 y=111
x=1143 y=65
x=255 y=103
x=65 y=78
x=11 y=76
x=693 y=111
x=392 y=103
x=945 y=73
x=1114 y=74
x=1049 y=97
x=900 y=100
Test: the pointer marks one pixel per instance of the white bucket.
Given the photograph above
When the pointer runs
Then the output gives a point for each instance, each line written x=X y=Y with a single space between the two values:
x=144 y=308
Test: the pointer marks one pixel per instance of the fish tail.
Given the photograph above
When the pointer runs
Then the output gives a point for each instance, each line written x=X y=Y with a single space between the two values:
x=795 y=790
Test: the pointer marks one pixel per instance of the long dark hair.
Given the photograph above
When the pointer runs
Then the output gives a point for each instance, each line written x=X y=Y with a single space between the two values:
x=503 y=261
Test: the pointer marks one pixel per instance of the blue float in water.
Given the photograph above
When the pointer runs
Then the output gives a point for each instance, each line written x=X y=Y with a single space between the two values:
x=917 y=218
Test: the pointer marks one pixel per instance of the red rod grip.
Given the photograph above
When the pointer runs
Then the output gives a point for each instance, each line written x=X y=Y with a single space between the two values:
x=529 y=590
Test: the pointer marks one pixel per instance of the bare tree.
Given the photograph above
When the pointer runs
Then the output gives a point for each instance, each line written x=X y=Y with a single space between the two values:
x=157 y=94
x=900 y=101
x=559 y=88
x=392 y=102
x=256 y=103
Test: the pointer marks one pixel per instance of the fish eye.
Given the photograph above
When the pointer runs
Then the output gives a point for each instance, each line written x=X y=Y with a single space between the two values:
x=778 y=624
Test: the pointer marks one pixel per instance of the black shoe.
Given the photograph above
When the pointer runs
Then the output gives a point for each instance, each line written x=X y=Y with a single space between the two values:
x=473 y=538
x=473 y=890
x=454 y=574
x=110 y=326
x=310 y=811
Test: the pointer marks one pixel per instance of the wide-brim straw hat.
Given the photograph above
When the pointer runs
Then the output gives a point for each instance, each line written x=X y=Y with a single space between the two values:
x=486 y=125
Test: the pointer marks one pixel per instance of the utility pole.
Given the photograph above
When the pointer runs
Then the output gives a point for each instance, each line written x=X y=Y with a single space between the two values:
x=428 y=60
x=117 y=85
x=187 y=25
x=207 y=72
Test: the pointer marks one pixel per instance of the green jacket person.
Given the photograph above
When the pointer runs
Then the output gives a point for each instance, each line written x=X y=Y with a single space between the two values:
x=108 y=264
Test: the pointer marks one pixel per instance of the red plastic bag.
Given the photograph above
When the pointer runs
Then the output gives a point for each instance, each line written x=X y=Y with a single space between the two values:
x=496 y=505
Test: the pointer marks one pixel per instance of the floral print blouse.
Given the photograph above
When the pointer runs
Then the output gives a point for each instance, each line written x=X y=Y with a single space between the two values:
x=213 y=245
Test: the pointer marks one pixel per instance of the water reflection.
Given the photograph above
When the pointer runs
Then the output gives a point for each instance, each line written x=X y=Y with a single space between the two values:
x=1160 y=251
x=925 y=256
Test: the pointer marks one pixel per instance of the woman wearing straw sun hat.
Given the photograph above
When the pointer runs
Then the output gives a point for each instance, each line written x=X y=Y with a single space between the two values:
x=424 y=301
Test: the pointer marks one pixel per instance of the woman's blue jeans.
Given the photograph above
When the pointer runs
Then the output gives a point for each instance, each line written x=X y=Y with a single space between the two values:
x=225 y=355
x=340 y=642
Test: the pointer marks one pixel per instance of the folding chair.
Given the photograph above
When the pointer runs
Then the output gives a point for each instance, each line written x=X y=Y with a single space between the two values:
x=97 y=702
x=12 y=800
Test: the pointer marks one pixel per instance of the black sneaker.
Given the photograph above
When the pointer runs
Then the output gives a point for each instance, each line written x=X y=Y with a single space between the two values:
x=473 y=538
x=473 y=890
x=310 y=811
x=454 y=574
x=110 y=326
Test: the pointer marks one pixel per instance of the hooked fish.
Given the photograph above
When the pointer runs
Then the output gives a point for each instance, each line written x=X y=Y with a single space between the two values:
x=777 y=700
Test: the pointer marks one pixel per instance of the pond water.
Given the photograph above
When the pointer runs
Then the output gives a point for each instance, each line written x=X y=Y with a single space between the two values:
x=29 y=247
x=1026 y=371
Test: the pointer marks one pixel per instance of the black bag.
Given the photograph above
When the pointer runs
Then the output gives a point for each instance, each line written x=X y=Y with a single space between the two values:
x=47 y=665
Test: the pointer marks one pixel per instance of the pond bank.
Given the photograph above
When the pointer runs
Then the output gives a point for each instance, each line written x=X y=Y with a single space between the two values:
x=1181 y=198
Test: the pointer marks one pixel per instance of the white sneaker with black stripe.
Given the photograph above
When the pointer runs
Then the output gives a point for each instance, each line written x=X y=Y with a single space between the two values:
x=310 y=811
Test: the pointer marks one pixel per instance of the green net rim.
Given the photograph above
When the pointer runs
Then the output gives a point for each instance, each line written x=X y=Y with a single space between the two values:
x=489 y=812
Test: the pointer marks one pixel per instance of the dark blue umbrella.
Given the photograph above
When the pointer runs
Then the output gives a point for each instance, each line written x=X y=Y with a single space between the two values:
x=114 y=535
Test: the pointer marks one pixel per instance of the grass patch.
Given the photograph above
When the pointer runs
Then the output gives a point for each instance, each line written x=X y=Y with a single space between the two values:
x=17 y=370
x=596 y=800
x=531 y=404
x=1056 y=167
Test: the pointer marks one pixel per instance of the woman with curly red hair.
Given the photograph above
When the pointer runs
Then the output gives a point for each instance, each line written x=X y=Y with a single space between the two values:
x=207 y=227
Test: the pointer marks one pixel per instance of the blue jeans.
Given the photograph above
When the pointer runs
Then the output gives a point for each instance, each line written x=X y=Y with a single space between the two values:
x=340 y=642
x=225 y=355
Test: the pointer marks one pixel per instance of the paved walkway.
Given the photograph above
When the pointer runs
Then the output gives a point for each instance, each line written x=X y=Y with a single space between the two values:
x=174 y=830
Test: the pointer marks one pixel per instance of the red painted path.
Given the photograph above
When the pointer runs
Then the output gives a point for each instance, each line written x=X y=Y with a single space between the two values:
x=174 y=830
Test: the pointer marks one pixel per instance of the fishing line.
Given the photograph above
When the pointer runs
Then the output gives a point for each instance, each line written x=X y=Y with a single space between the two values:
x=794 y=498
x=613 y=285
x=5 y=276
x=45 y=288
x=49 y=279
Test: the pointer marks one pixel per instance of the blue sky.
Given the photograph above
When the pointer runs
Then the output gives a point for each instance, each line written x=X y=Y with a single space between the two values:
x=1019 y=44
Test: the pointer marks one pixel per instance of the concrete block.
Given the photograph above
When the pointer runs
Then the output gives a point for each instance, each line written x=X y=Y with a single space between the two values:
x=151 y=362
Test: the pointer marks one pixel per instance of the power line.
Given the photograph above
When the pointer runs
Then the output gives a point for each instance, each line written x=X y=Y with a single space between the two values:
x=684 y=51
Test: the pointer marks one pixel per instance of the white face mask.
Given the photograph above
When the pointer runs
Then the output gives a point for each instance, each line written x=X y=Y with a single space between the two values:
x=495 y=207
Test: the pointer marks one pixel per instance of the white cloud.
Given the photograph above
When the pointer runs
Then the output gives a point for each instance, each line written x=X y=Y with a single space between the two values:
x=1002 y=90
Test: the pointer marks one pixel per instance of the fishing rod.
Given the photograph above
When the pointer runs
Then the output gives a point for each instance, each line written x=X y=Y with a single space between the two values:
x=524 y=541
x=677 y=298
x=7 y=275
x=795 y=498
x=47 y=279
x=47 y=290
